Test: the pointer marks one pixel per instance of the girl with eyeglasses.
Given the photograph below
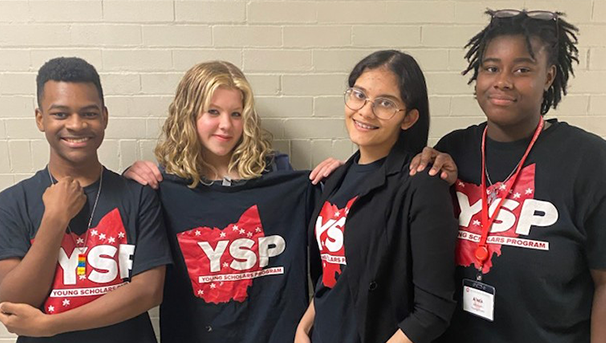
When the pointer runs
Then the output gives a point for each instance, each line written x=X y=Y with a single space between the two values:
x=382 y=242
x=531 y=193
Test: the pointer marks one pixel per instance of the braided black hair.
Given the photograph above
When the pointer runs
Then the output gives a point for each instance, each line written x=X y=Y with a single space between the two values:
x=561 y=52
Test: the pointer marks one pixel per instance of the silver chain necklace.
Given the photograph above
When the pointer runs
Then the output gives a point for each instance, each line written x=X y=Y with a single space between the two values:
x=506 y=179
x=90 y=220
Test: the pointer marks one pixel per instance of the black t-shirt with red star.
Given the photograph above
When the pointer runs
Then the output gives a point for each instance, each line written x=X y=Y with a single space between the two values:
x=240 y=251
x=335 y=319
x=127 y=237
x=547 y=237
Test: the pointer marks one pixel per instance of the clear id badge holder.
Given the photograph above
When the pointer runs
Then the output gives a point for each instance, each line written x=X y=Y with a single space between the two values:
x=478 y=298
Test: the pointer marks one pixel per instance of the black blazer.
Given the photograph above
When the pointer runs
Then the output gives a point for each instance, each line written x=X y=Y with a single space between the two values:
x=399 y=247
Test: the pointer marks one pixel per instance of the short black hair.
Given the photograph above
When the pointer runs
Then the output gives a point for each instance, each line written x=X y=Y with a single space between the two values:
x=67 y=69
x=413 y=90
x=561 y=52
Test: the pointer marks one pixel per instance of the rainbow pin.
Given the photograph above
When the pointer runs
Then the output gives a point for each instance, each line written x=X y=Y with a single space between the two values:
x=81 y=264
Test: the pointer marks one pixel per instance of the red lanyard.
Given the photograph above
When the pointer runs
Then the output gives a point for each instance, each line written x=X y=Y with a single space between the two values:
x=481 y=253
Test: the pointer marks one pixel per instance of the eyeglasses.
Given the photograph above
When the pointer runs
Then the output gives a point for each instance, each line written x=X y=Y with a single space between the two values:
x=537 y=14
x=383 y=108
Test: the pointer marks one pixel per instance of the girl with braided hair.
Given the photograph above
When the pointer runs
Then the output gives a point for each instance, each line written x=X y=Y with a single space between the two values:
x=531 y=193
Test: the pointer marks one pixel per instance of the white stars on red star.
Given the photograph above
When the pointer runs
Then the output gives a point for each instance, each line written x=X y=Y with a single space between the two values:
x=200 y=292
x=197 y=232
x=121 y=235
x=476 y=222
x=222 y=235
x=337 y=214
x=258 y=229
x=111 y=240
x=235 y=228
x=225 y=264
x=79 y=240
x=249 y=234
x=94 y=232
x=242 y=231
x=213 y=286
x=102 y=236
x=528 y=191
x=51 y=308
x=82 y=277
x=65 y=302
x=517 y=195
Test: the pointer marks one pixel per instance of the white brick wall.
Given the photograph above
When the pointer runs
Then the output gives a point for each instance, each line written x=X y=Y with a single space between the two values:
x=296 y=54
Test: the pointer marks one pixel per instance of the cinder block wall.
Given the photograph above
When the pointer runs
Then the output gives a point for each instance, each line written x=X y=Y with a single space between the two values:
x=296 y=54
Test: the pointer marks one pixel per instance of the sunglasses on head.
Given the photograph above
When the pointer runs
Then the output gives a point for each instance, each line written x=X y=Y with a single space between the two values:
x=540 y=15
x=536 y=14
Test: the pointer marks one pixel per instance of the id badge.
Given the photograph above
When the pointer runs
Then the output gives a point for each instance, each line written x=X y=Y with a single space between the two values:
x=478 y=299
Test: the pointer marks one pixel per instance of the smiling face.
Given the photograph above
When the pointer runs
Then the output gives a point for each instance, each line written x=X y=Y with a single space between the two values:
x=220 y=127
x=510 y=86
x=375 y=137
x=73 y=118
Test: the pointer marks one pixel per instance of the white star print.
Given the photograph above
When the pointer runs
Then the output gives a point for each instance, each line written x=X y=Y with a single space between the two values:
x=102 y=236
x=225 y=264
x=111 y=240
x=66 y=302
x=51 y=308
x=235 y=228
x=200 y=292
x=517 y=195
x=213 y=286
x=121 y=235
x=242 y=231
x=528 y=191
x=79 y=240
x=198 y=233
x=258 y=229
x=93 y=232
x=82 y=277
x=502 y=186
x=249 y=234
x=337 y=214
x=476 y=222
x=222 y=234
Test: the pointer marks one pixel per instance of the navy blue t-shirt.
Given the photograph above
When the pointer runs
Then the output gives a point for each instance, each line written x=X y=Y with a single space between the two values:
x=240 y=251
x=127 y=237
x=335 y=319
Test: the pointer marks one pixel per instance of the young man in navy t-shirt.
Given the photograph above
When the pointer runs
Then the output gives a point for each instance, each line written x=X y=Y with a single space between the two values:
x=82 y=250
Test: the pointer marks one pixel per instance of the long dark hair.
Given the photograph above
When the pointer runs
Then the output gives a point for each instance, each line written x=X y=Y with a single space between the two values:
x=413 y=91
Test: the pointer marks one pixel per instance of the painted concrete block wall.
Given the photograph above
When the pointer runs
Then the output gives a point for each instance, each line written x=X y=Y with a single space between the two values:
x=297 y=55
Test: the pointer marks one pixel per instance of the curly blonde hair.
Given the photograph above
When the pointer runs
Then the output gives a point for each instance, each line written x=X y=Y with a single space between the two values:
x=179 y=149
